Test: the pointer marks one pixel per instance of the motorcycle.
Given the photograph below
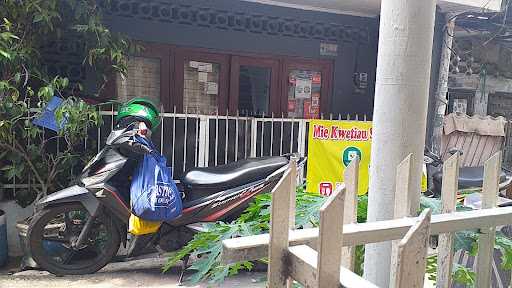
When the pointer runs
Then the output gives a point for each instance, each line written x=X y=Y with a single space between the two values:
x=79 y=229
x=469 y=177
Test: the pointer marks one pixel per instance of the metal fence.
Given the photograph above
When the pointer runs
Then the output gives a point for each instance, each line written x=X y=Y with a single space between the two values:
x=196 y=140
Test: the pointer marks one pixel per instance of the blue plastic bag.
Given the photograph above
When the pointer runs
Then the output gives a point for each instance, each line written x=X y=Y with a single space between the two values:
x=47 y=118
x=154 y=195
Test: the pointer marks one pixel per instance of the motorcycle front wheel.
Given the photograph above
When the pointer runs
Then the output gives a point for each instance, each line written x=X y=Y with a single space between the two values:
x=53 y=230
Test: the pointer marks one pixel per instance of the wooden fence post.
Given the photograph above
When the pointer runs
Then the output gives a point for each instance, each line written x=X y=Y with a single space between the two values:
x=412 y=254
x=351 y=179
x=449 y=199
x=403 y=203
x=279 y=231
x=487 y=234
x=331 y=240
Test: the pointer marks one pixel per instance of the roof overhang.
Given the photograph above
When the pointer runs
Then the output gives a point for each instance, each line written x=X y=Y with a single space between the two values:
x=371 y=8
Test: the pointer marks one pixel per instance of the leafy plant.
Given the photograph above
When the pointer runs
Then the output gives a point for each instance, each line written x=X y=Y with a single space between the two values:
x=29 y=154
x=254 y=220
x=467 y=241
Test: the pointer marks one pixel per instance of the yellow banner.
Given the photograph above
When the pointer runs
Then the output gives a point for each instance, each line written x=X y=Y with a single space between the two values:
x=331 y=147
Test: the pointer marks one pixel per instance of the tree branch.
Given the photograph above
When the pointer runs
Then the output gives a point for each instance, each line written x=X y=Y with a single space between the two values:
x=23 y=154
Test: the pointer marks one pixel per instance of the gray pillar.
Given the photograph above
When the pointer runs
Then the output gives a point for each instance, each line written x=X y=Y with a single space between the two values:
x=441 y=95
x=400 y=112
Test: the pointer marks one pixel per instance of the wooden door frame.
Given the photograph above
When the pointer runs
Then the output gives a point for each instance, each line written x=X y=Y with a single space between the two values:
x=163 y=53
x=234 y=81
x=326 y=69
x=183 y=54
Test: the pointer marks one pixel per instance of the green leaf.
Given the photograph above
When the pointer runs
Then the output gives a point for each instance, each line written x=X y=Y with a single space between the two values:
x=464 y=276
x=5 y=54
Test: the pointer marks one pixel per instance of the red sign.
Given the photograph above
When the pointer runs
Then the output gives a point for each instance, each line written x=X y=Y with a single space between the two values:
x=307 y=109
x=325 y=188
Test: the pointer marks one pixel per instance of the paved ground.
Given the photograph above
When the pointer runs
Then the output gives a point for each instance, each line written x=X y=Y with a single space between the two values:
x=138 y=273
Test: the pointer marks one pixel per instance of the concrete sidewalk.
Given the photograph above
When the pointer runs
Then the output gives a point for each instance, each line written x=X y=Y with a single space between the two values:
x=138 y=273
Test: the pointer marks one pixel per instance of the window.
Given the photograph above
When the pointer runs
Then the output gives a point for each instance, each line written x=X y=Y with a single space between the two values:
x=142 y=80
x=254 y=91
x=200 y=87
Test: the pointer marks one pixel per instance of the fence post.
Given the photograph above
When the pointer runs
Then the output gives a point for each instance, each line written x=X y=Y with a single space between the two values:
x=412 y=254
x=330 y=240
x=302 y=137
x=254 y=136
x=279 y=231
x=449 y=199
x=203 y=141
x=351 y=179
x=403 y=204
x=487 y=234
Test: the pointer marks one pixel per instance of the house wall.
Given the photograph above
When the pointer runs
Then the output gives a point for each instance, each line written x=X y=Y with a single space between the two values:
x=238 y=26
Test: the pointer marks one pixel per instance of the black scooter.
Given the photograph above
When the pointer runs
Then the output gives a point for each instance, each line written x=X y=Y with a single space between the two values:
x=469 y=177
x=79 y=230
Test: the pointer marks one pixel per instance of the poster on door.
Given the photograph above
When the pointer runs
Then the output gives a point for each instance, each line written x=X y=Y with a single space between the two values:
x=332 y=145
x=302 y=88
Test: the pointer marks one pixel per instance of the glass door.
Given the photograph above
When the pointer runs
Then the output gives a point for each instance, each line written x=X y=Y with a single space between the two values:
x=254 y=86
x=306 y=87
x=201 y=82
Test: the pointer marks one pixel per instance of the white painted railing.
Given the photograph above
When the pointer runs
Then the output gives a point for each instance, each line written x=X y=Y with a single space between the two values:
x=196 y=140
x=314 y=256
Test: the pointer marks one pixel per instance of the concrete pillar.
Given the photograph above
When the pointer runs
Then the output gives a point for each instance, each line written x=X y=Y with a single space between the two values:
x=400 y=112
x=441 y=98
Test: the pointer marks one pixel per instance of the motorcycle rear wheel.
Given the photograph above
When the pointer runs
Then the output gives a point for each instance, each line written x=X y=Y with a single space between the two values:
x=53 y=229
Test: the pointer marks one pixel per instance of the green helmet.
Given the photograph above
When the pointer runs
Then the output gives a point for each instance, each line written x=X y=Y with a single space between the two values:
x=140 y=108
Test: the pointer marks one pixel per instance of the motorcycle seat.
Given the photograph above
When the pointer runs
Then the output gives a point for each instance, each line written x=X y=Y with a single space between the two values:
x=470 y=177
x=232 y=175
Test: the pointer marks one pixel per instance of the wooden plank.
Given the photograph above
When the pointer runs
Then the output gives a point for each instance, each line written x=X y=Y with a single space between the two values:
x=406 y=203
x=451 y=141
x=350 y=211
x=331 y=239
x=449 y=199
x=403 y=203
x=412 y=254
x=468 y=137
x=279 y=232
x=349 y=279
x=256 y=247
x=487 y=234
x=487 y=151
x=303 y=260
x=460 y=141
x=463 y=161
x=303 y=267
x=497 y=145
x=466 y=159
x=479 y=150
